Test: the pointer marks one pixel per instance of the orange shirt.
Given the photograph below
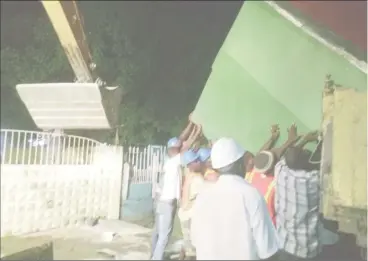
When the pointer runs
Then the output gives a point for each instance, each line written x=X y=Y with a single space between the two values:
x=266 y=186
x=210 y=175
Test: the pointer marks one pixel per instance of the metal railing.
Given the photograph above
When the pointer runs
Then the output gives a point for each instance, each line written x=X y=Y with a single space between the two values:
x=45 y=148
x=146 y=162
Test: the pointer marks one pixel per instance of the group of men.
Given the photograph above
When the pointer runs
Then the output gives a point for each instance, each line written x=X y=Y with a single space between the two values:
x=234 y=205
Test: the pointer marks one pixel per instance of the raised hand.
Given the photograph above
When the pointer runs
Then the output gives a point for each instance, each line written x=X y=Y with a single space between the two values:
x=190 y=117
x=293 y=133
x=275 y=131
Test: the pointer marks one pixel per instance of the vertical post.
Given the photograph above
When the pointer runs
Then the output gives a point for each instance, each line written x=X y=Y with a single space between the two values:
x=126 y=178
x=155 y=168
x=56 y=147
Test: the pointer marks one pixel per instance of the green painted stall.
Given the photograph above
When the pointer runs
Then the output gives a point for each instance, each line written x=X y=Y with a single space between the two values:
x=268 y=71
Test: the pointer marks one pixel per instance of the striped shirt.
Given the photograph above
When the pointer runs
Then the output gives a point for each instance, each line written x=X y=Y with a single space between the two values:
x=297 y=210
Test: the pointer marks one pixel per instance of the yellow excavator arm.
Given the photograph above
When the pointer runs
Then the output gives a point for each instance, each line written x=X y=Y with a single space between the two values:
x=68 y=25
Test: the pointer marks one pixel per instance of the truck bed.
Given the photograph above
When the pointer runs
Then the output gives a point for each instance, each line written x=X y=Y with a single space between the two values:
x=344 y=166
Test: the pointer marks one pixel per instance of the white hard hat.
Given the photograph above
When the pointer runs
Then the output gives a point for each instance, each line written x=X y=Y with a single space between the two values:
x=225 y=151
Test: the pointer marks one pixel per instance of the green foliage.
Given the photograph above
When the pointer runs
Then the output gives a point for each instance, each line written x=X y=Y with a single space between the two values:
x=41 y=61
x=127 y=53
x=129 y=45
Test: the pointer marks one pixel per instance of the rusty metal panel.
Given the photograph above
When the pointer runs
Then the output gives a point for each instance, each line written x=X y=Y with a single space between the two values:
x=347 y=19
x=64 y=105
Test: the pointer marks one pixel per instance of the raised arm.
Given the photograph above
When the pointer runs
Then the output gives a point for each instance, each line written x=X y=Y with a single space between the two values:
x=197 y=130
x=188 y=129
x=309 y=137
x=293 y=137
x=275 y=133
x=186 y=132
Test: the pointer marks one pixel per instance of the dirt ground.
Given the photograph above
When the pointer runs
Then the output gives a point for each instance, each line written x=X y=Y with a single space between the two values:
x=107 y=240
x=148 y=222
x=123 y=240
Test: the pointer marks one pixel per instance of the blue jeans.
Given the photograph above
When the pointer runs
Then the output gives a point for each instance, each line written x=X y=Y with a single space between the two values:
x=164 y=222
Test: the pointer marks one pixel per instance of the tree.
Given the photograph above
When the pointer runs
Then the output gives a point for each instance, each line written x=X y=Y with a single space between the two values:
x=40 y=59
x=160 y=67
x=127 y=51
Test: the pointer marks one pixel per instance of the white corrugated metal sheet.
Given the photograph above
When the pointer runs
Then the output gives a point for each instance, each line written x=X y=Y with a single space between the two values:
x=64 y=105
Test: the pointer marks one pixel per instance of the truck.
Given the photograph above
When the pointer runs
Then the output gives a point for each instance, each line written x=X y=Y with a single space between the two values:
x=344 y=160
x=270 y=70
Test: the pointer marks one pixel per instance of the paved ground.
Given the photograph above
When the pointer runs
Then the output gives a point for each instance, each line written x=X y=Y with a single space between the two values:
x=148 y=222
x=106 y=241
x=122 y=240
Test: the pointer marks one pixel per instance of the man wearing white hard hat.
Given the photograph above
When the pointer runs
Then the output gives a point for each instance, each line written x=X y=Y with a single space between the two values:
x=170 y=192
x=230 y=220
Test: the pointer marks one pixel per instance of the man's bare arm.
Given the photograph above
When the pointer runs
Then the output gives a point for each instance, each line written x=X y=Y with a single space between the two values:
x=188 y=129
x=268 y=145
x=275 y=133
x=186 y=132
x=293 y=137
x=281 y=150
x=302 y=143
x=309 y=137
x=197 y=130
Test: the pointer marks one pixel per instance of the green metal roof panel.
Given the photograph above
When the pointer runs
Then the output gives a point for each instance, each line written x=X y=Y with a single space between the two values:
x=268 y=71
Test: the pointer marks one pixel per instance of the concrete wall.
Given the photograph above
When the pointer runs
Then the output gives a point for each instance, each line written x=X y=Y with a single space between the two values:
x=35 y=198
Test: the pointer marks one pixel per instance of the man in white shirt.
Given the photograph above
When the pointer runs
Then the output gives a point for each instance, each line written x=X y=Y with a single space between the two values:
x=168 y=200
x=230 y=220
x=170 y=191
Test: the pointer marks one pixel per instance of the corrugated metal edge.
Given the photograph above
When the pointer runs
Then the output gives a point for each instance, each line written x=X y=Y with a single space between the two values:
x=361 y=65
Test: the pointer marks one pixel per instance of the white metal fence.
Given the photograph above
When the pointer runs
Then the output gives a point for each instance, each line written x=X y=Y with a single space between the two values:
x=43 y=148
x=56 y=180
x=146 y=162
x=19 y=147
